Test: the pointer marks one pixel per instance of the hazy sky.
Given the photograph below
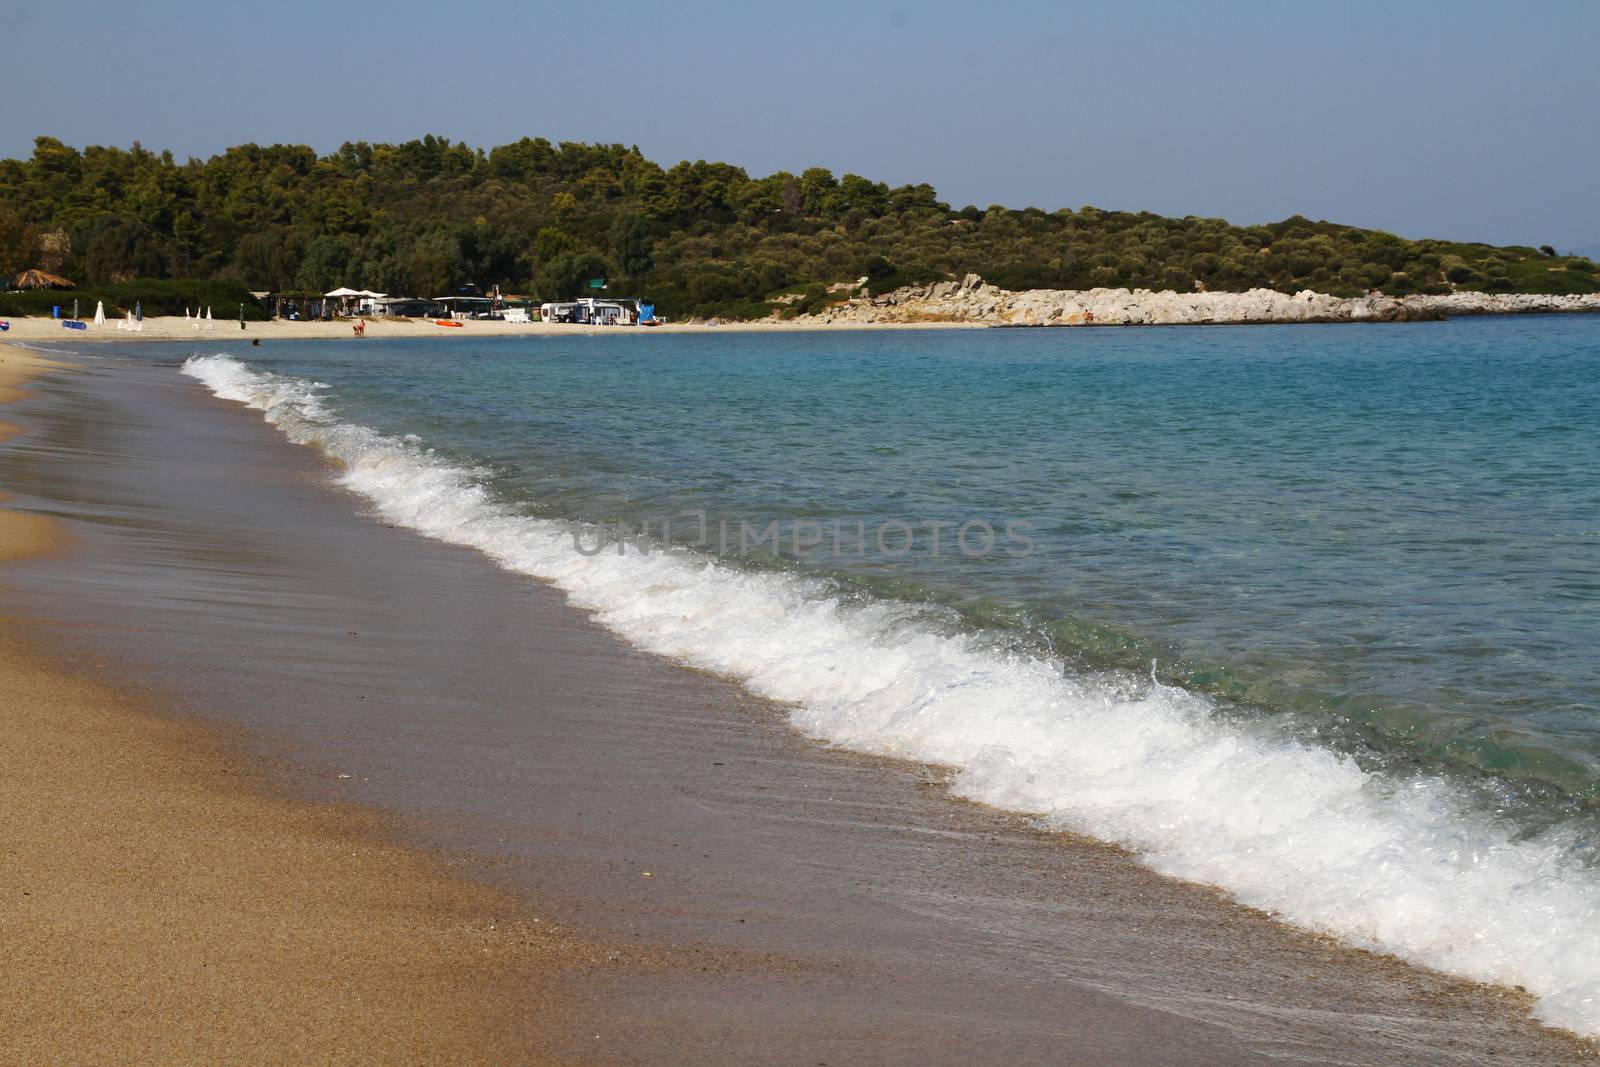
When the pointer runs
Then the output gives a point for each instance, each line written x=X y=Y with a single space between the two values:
x=1457 y=118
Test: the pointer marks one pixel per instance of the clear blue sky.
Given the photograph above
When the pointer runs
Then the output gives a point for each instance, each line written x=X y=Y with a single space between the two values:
x=1456 y=118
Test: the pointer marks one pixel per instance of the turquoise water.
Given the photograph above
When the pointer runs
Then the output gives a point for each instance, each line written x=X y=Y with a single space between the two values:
x=1392 y=530
x=1306 y=613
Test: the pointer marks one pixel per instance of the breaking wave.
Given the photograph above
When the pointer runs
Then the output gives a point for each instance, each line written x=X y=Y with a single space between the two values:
x=1412 y=865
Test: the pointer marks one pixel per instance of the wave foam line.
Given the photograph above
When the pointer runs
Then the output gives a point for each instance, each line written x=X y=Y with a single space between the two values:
x=1408 y=866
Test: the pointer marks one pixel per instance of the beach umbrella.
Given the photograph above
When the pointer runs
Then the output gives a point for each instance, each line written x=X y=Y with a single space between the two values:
x=38 y=279
x=208 y=312
x=186 y=313
x=74 y=308
x=138 y=310
x=100 y=313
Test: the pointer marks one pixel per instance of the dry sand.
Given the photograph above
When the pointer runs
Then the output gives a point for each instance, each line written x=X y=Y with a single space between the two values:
x=161 y=905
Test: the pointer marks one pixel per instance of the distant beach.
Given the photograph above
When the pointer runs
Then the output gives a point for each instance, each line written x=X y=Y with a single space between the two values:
x=971 y=304
x=227 y=332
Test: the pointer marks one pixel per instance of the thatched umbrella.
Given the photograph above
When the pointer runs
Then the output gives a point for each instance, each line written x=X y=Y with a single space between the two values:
x=38 y=279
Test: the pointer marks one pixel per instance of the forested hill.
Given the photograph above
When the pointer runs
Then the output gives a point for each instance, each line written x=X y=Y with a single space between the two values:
x=427 y=216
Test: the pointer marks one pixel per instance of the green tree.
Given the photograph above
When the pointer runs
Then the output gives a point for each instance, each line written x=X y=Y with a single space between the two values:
x=325 y=266
x=426 y=215
x=437 y=267
x=117 y=251
x=567 y=275
x=631 y=245
x=19 y=245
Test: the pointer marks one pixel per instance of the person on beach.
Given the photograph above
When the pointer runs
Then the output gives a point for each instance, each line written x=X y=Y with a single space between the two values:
x=360 y=328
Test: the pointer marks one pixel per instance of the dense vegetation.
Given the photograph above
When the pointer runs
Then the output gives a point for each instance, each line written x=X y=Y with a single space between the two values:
x=428 y=216
x=226 y=298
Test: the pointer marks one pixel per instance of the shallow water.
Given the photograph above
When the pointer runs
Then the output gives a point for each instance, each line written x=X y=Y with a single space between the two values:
x=1399 y=524
x=1364 y=563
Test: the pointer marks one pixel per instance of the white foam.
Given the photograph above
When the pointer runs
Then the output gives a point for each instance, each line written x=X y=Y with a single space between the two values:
x=1409 y=867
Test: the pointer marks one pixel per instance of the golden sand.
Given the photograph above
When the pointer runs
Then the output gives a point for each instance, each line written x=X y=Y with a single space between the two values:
x=16 y=367
x=159 y=904
x=21 y=535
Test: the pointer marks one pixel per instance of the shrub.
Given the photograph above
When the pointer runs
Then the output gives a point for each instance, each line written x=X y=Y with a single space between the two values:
x=815 y=299
x=154 y=296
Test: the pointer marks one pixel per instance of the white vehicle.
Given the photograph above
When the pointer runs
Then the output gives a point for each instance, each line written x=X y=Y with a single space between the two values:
x=591 y=312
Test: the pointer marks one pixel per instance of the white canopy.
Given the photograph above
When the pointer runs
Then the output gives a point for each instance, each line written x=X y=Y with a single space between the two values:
x=370 y=295
x=342 y=291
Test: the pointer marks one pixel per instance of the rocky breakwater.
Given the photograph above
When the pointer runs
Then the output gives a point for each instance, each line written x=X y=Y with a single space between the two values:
x=1508 y=303
x=975 y=301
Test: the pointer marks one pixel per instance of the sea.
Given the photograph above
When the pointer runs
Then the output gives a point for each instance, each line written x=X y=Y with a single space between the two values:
x=1307 y=613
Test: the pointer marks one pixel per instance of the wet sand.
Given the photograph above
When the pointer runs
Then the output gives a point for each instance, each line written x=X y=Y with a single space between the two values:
x=164 y=903
x=783 y=902
x=22 y=534
x=162 y=906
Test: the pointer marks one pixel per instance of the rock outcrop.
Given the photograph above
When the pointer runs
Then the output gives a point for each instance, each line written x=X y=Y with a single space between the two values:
x=972 y=300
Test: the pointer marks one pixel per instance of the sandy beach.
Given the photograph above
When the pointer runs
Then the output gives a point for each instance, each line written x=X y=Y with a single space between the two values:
x=165 y=903
x=21 y=534
x=518 y=555
x=178 y=328
x=970 y=305
x=295 y=785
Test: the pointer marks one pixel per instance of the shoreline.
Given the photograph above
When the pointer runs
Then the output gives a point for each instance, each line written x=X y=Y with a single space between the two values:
x=23 y=535
x=177 y=328
x=183 y=910
x=509 y=728
x=974 y=302
x=968 y=305
x=169 y=902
